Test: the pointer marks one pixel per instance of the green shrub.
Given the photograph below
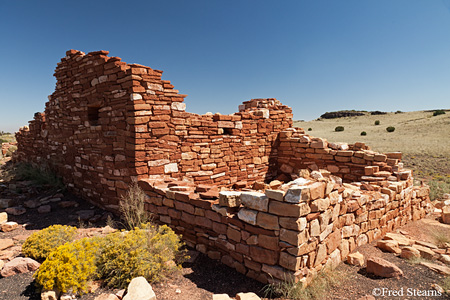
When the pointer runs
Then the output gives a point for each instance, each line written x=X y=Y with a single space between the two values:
x=363 y=133
x=41 y=176
x=40 y=244
x=70 y=267
x=377 y=122
x=390 y=129
x=10 y=151
x=309 y=129
x=132 y=207
x=339 y=128
x=438 y=112
x=439 y=187
x=147 y=252
x=318 y=288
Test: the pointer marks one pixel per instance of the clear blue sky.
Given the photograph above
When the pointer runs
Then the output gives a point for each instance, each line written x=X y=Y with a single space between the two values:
x=314 y=56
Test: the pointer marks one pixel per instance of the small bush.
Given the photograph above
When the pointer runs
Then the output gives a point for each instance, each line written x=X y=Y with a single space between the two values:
x=309 y=129
x=439 y=187
x=438 y=112
x=390 y=129
x=147 y=252
x=363 y=133
x=339 y=128
x=377 y=122
x=446 y=285
x=132 y=207
x=70 y=267
x=10 y=151
x=318 y=288
x=40 y=244
x=41 y=176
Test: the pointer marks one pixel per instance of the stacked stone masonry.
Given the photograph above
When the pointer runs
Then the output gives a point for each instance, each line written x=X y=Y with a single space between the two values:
x=247 y=188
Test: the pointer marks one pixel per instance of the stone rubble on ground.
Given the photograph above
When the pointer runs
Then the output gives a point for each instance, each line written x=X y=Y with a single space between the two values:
x=19 y=265
x=355 y=259
x=382 y=268
x=139 y=289
x=9 y=226
x=49 y=295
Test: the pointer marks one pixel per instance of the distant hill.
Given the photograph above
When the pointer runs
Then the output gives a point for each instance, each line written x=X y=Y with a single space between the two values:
x=350 y=113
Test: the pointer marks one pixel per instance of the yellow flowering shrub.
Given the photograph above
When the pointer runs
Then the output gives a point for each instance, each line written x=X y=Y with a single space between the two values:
x=41 y=243
x=70 y=267
x=147 y=252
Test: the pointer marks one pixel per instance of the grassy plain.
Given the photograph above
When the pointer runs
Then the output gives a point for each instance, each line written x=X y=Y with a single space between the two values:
x=423 y=138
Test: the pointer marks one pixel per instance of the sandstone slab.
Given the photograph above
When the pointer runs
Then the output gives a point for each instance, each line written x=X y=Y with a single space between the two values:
x=19 y=265
x=382 y=268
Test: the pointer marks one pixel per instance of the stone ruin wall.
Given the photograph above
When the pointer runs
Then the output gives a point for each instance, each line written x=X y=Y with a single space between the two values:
x=209 y=176
x=108 y=121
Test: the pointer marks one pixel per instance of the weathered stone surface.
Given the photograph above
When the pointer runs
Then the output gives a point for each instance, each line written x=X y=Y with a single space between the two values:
x=267 y=221
x=444 y=258
x=389 y=246
x=230 y=198
x=399 y=238
x=382 y=268
x=355 y=259
x=293 y=237
x=446 y=214
x=247 y=296
x=425 y=252
x=3 y=217
x=255 y=200
x=9 y=226
x=289 y=209
x=16 y=210
x=298 y=224
x=290 y=262
x=247 y=215
x=6 y=243
x=19 y=265
x=49 y=295
x=275 y=194
x=409 y=252
x=139 y=289
x=43 y=209
x=436 y=268
x=297 y=194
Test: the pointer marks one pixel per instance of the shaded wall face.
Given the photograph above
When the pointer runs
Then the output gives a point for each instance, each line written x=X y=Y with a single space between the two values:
x=83 y=131
x=211 y=149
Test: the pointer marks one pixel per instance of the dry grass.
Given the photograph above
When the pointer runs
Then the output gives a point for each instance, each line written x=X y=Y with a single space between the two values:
x=422 y=137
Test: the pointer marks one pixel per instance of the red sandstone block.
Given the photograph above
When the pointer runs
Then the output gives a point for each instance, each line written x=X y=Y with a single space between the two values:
x=263 y=255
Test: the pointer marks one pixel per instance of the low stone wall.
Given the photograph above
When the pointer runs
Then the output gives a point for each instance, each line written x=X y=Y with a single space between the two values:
x=290 y=232
x=355 y=162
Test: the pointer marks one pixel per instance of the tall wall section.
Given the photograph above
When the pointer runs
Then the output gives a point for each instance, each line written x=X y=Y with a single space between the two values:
x=108 y=121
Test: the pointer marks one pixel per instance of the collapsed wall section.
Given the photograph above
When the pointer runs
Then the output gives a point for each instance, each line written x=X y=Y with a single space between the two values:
x=290 y=231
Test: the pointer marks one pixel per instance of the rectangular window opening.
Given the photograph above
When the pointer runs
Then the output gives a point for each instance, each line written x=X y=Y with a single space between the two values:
x=93 y=115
